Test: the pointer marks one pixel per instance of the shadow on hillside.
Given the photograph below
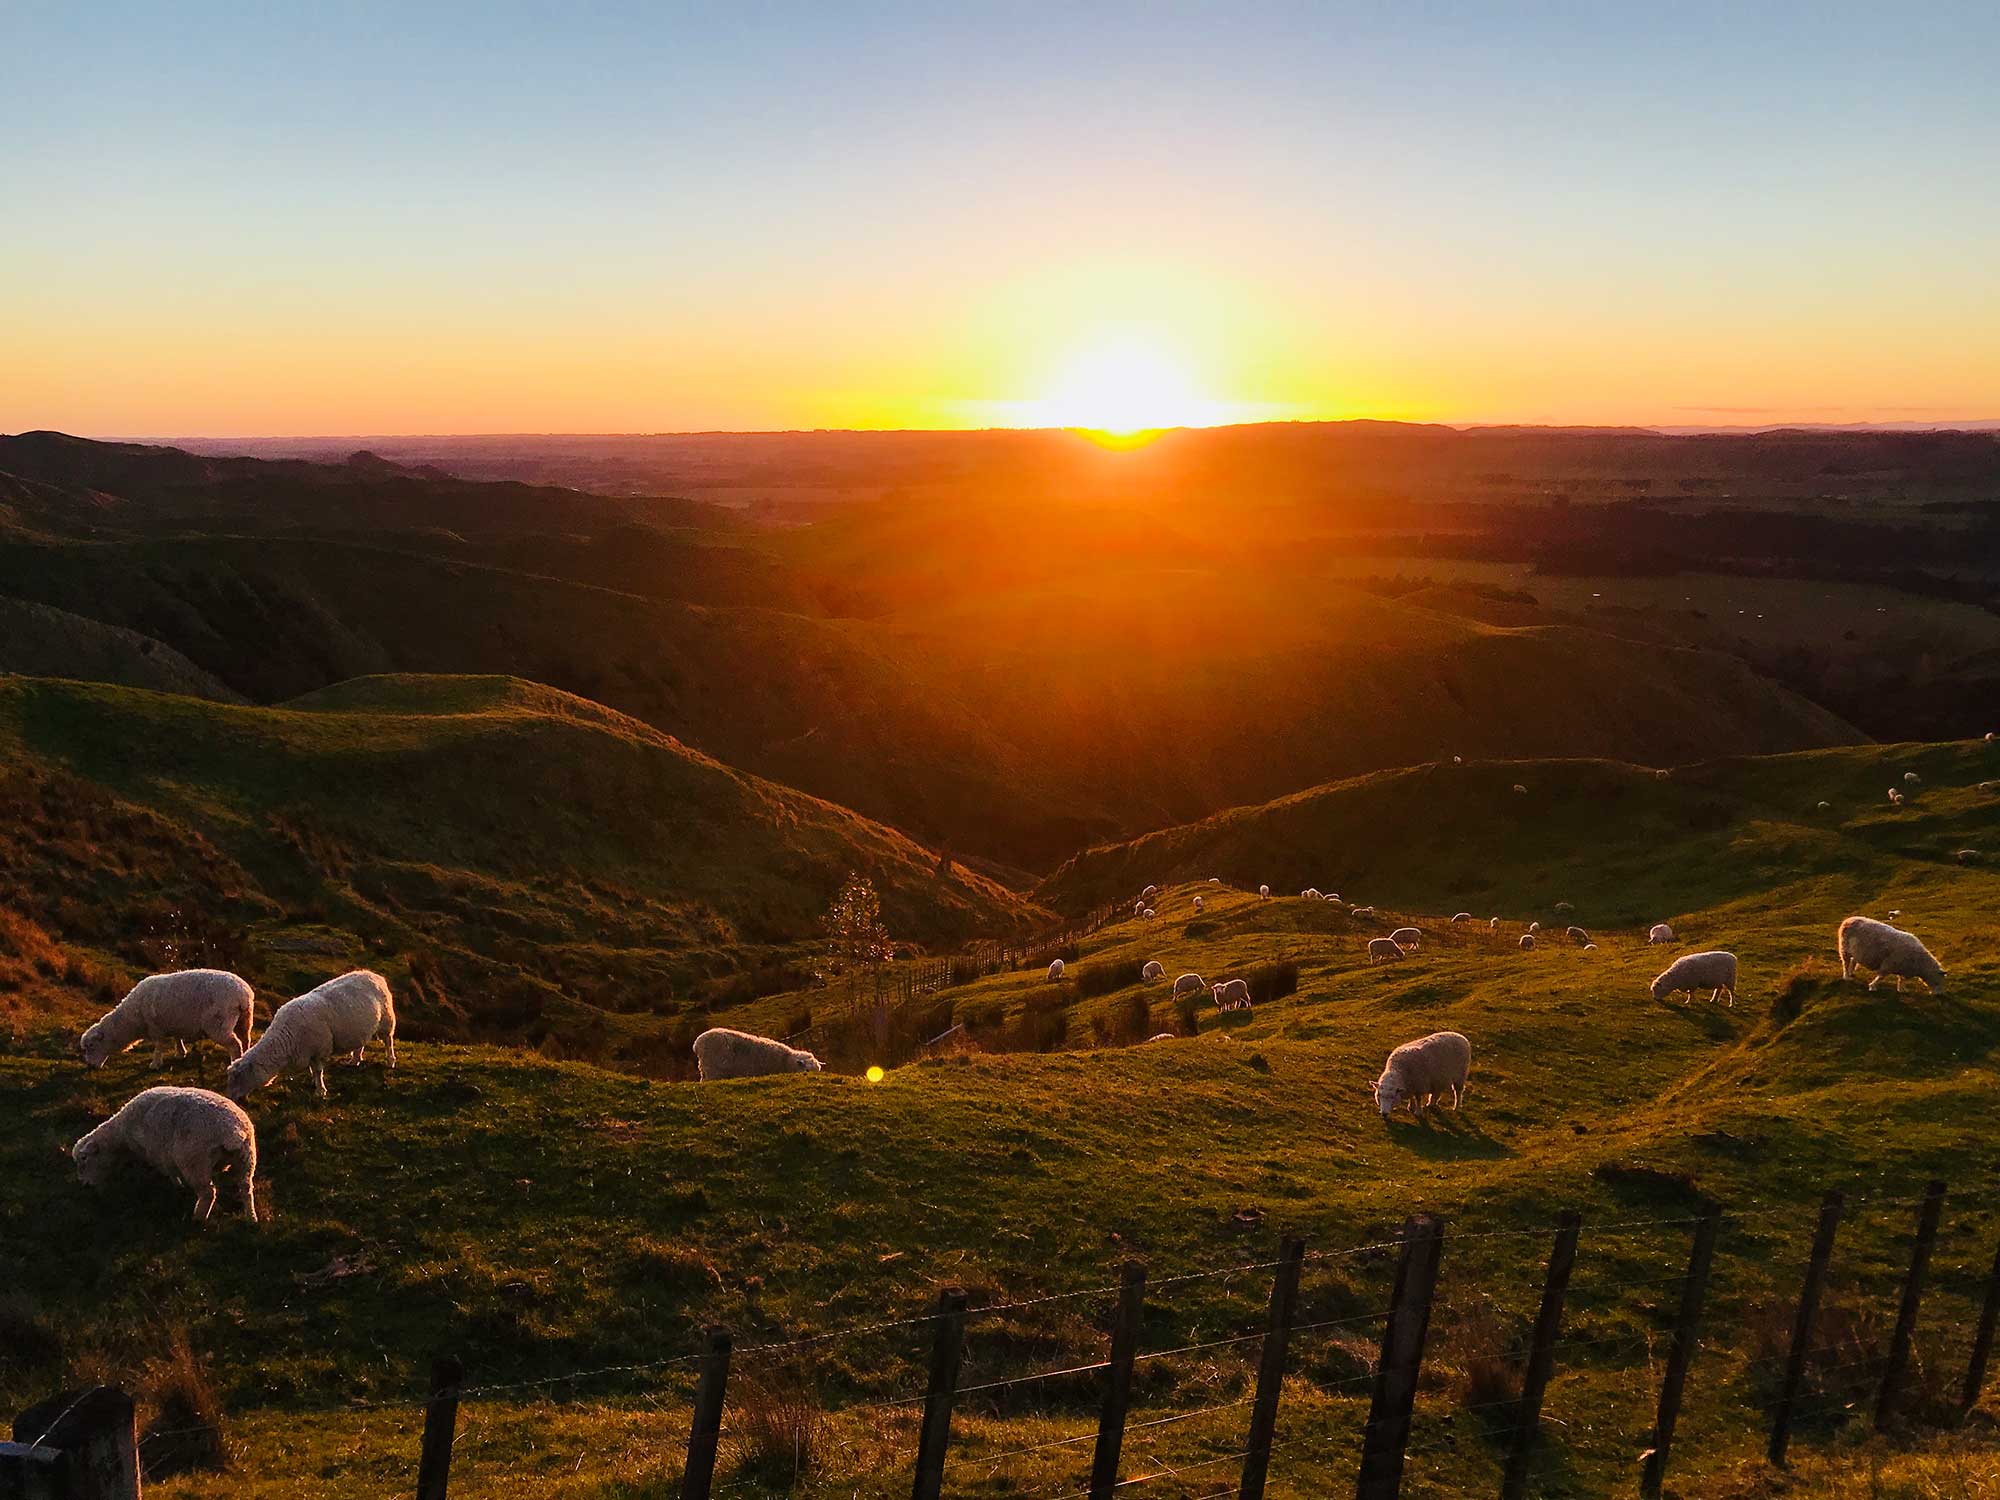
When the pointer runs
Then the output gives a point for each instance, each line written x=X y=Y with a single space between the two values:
x=1446 y=1135
x=1714 y=1021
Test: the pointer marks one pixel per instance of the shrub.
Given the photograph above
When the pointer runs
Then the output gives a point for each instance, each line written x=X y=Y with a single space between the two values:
x=1187 y=1013
x=1270 y=982
x=1132 y=1018
x=185 y=1433
x=779 y=1425
x=1103 y=978
x=1043 y=1025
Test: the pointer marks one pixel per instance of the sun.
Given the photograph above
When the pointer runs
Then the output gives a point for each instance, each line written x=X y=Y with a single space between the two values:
x=1123 y=388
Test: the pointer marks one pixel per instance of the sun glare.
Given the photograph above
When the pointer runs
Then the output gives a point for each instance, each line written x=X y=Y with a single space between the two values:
x=1122 y=391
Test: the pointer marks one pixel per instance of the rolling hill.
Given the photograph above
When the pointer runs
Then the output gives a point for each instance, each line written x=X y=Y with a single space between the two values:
x=529 y=864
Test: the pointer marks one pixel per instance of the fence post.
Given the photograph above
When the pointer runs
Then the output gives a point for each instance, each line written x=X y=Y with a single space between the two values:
x=705 y=1433
x=1118 y=1380
x=1982 y=1342
x=1541 y=1357
x=96 y=1429
x=1694 y=1291
x=440 y=1426
x=1906 y=1314
x=28 y=1472
x=1271 y=1367
x=947 y=1350
x=1388 y=1429
x=1802 y=1325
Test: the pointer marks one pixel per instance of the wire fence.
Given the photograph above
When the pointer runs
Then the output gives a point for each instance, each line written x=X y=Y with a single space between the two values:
x=1500 y=1361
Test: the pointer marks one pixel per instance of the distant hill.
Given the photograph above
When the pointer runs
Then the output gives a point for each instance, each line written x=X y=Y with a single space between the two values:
x=535 y=864
x=37 y=641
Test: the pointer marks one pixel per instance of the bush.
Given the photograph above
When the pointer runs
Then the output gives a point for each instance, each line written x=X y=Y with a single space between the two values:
x=779 y=1426
x=1132 y=1018
x=1187 y=1013
x=1270 y=982
x=185 y=1433
x=1102 y=979
x=1043 y=1025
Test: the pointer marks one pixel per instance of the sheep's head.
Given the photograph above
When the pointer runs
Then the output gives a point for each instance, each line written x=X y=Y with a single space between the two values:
x=240 y=1079
x=93 y=1160
x=96 y=1047
x=1389 y=1093
x=805 y=1062
x=1932 y=974
x=1662 y=987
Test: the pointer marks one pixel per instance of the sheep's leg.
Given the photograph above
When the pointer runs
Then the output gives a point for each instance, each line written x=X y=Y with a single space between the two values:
x=1873 y=982
x=249 y=1197
x=181 y=1042
x=391 y=1040
x=318 y=1071
x=1899 y=984
x=159 y=1052
x=1457 y=1093
x=204 y=1200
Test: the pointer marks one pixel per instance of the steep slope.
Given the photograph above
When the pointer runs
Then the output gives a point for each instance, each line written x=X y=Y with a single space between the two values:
x=37 y=641
x=536 y=863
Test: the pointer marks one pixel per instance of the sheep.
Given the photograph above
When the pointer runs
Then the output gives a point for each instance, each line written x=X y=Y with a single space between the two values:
x=1407 y=937
x=1461 y=916
x=1826 y=807
x=1714 y=971
x=1966 y=856
x=1564 y=906
x=189 y=1134
x=1422 y=1071
x=1458 y=760
x=722 y=1053
x=1188 y=984
x=1534 y=927
x=1661 y=933
x=1661 y=775
x=1527 y=941
x=1149 y=914
x=1138 y=908
x=1519 y=790
x=1333 y=895
x=1264 y=892
x=1987 y=786
x=1590 y=947
x=338 y=1019
x=184 y=1006
x=1197 y=903
x=1161 y=1036
x=1235 y=995
x=1383 y=950
x=1362 y=911
x=1055 y=970
x=1215 y=880
x=1333 y=900
x=1492 y=924
x=1911 y=778
x=1891 y=952
x=1149 y=893
x=1989 y=734
x=1310 y=893
x=1154 y=970
x=1577 y=935
x=1895 y=797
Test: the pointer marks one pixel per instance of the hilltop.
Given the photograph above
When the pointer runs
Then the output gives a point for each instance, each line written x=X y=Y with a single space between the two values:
x=527 y=864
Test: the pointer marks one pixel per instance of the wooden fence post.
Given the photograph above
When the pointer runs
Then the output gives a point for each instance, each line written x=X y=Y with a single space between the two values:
x=28 y=1472
x=1982 y=1341
x=1403 y=1333
x=947 y=1351
x=705 y=1432
x=1906 y=1313
x=1271 y=1367
x=97 y=1431
x=1118 y=1380
x=440 y=1427
x=1802 y=1324
x=1541 y=1357
x=1694 y=1291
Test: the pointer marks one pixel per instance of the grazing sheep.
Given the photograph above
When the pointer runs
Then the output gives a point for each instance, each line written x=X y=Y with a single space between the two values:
x=1714 y=971
x=1590 y=947
x=1310 y=893
x=1527 y=941
x=1197 y=903
x=1333 y=895
x=1661 y=775
x=1215 y=880
x=1493 y=924
x=1362 y=911
x=1149 y=893
x=1578 y=936
x=1661 y=933
x=338 y=1019
x=1138 y=908
x=1161 y=1036
x=722 y=1053
x=1826 y=807
x=1895 y=797
x=189 y=1134
x=1333 y=900
x=1188 y=984
x=180 y=1007
x=1264 y=891
x=1966 y=856
x=1461 y=916
x=1422 y=1071
x=1987 y=786
x=1519 y=790
x=1458 y=760
x=1911 y=778
x=1989 y=734
x=1890 y=952
x=1383 y=950
x=1149 y=914
x=1407 y=937
x=1235 y=995
x=1055 y=970
x=1534 y=927
x=1154 y=970
x=1564 y=906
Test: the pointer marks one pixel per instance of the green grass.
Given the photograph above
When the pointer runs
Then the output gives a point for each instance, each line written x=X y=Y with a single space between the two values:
x=543 y=1218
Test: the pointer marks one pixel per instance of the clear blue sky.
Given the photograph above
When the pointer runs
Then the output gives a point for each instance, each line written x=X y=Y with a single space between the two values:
x=244 y=219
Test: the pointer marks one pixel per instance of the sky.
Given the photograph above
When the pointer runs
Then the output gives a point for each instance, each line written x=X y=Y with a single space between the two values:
x=271 y=219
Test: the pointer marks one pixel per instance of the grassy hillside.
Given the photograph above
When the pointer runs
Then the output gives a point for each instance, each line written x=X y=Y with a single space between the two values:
x=548 y=1218
x=37 y=641
x=535 y=864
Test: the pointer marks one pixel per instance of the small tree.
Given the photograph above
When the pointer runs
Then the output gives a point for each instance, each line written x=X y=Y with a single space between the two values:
x=856 y=940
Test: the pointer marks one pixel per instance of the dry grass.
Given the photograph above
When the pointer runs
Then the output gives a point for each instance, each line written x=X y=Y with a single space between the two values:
x=184 y=1430
x=778 y=1426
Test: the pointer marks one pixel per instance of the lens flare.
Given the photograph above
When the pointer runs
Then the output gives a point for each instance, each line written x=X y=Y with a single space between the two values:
x=875 y=1075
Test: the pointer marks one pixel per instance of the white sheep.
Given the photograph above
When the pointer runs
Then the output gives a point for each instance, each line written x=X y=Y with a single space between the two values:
x=1154 y=970
x=1889 y=951
x=1661 y=933
x=1422 y=1071
x=1055 y=970
x=1150 y=914
x=189 y=1134
x=1149 y=893
x=184 y=1006
x=722 y=1053
x=1407 y=937
x=1826 y=807
x=1565 y=906
x=1188 y=984
x=1577 y=935
x=1590 y=947
x=1911 y=778
x=338 y=1019
x=1309 y=894
x=1895 y=797
x=1264 y=891
x=1534 y=927
x=1161 y=1036
x=1966 y=856
x=1383 y=950
x=1362 y=911
x=1235 y=995
x=1461 y=916
x=1519 y=790
x=1714 y=971
x=1215 y=880
x=1492 y=924
x=1197 y=903
x=1527 y=941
